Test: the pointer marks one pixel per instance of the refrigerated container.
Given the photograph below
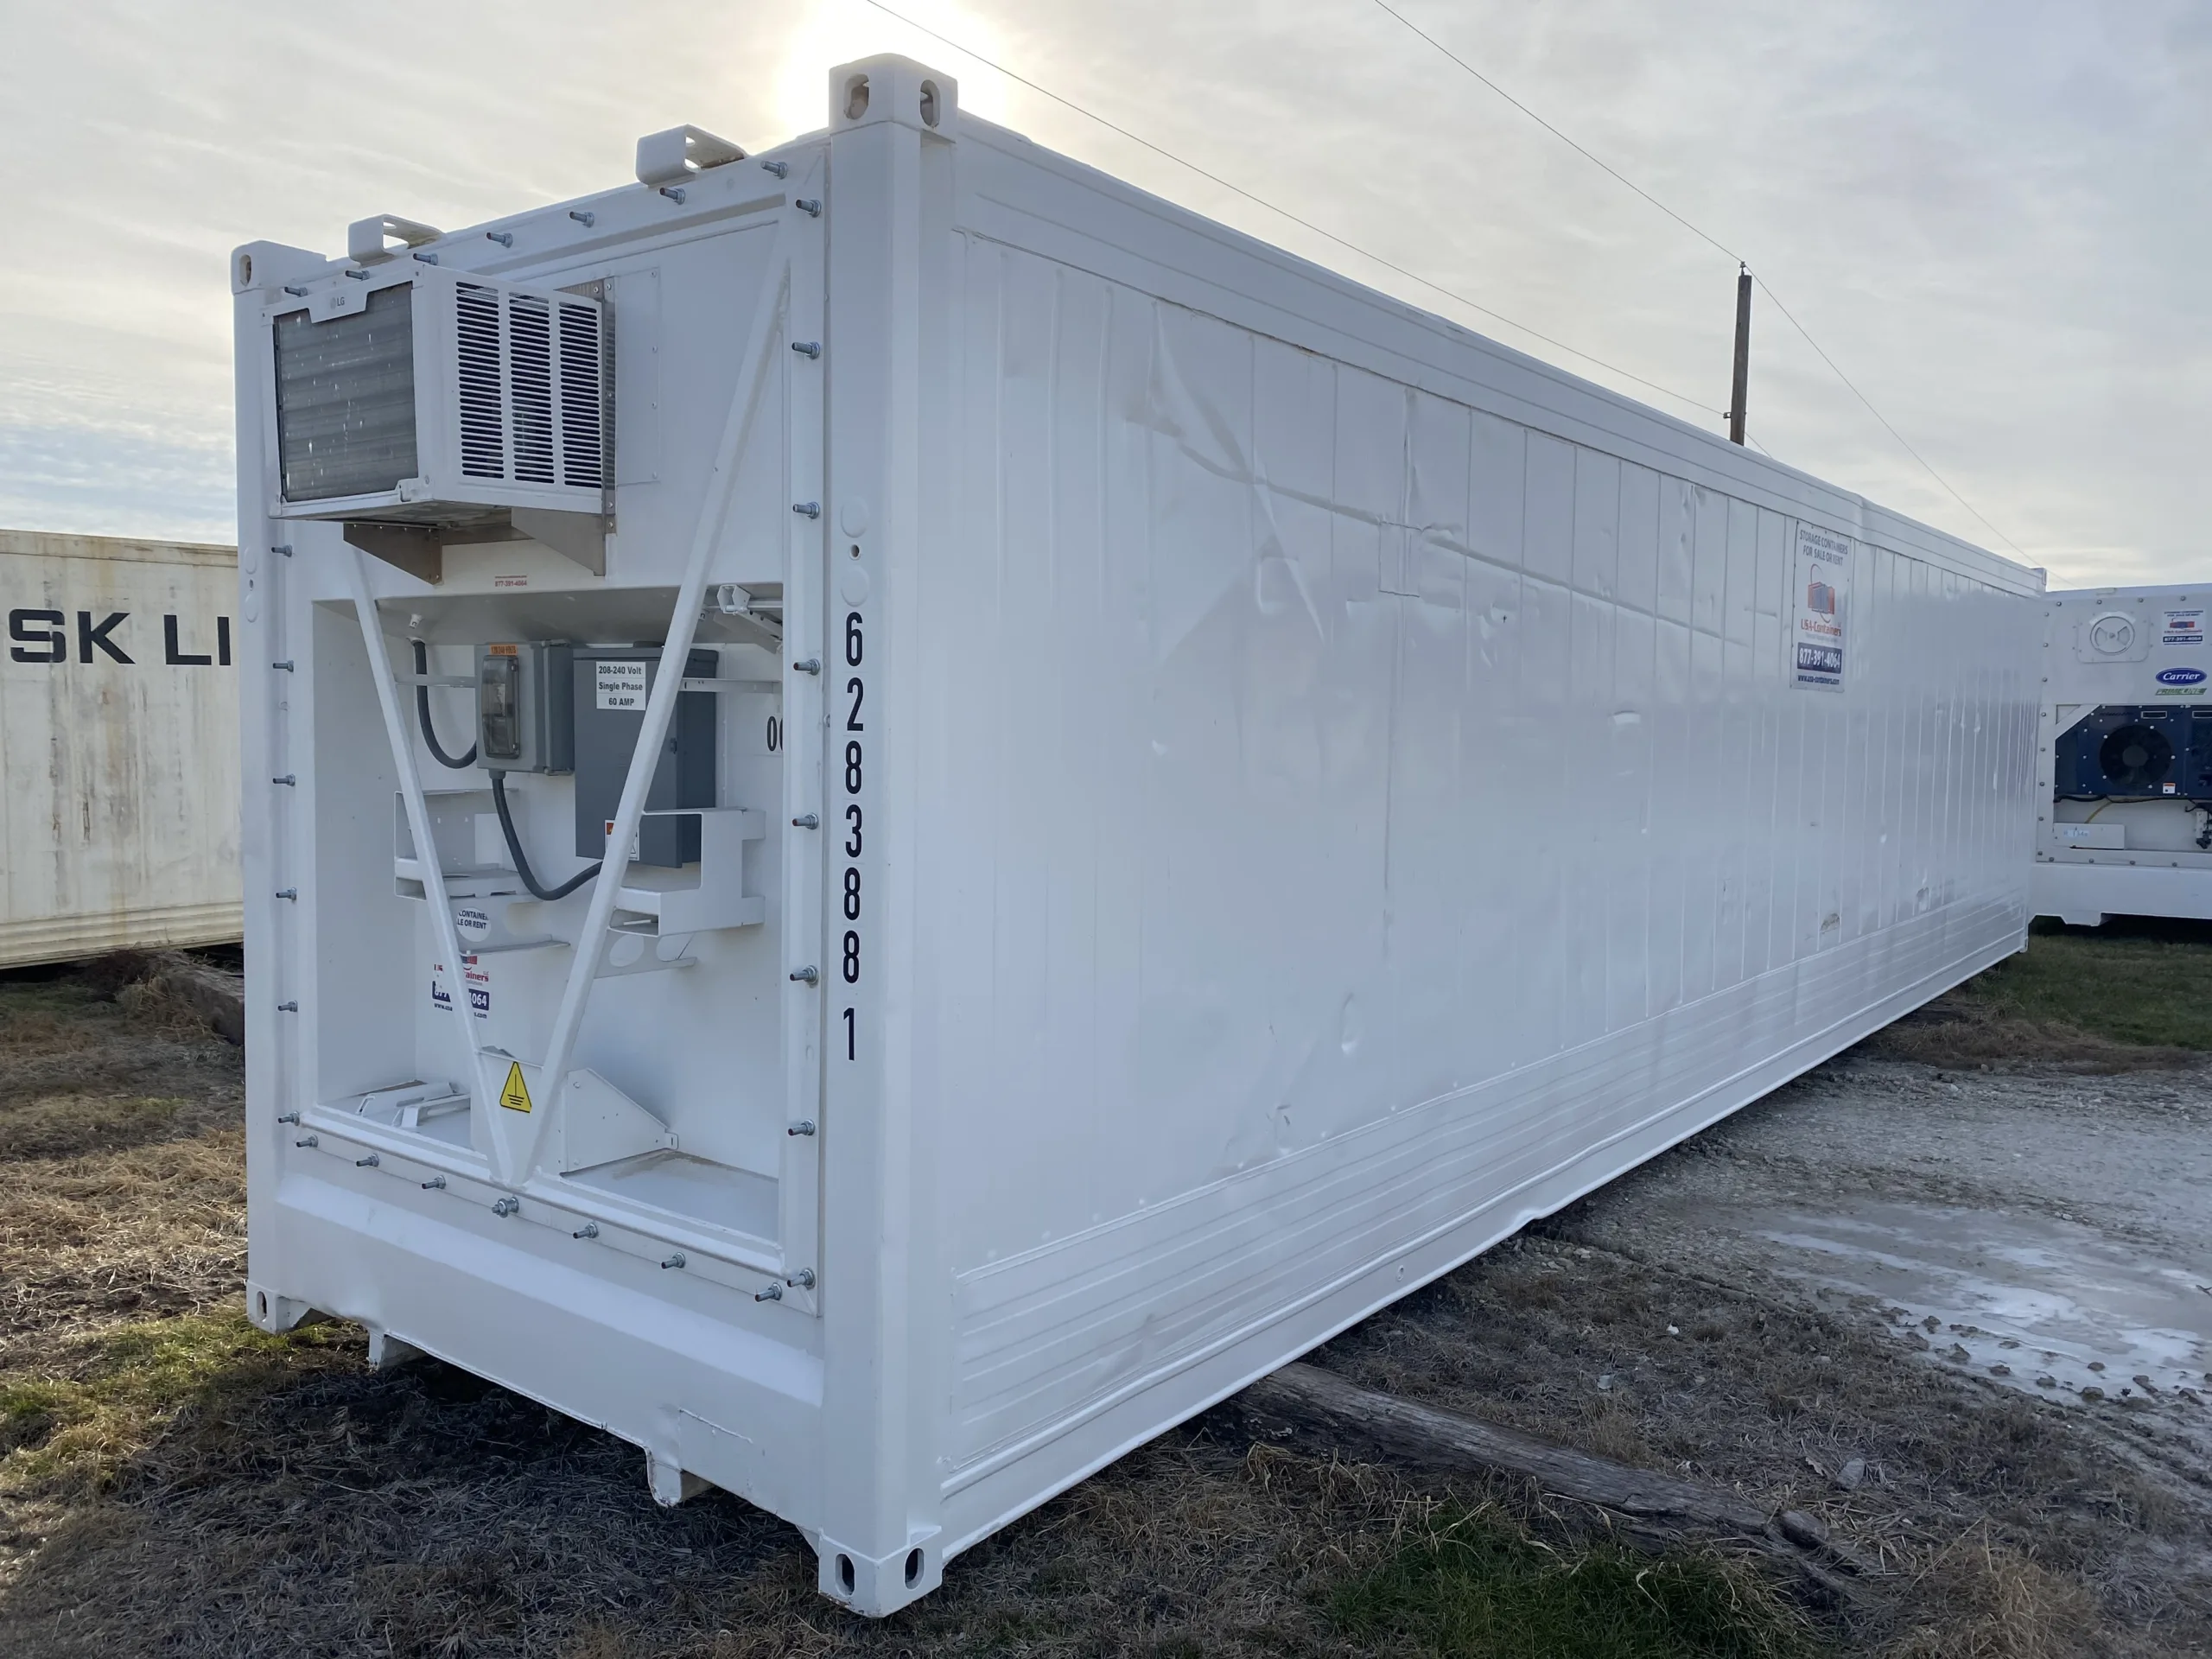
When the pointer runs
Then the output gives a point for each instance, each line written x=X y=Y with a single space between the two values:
x=1198 y=798
x=2124 y=785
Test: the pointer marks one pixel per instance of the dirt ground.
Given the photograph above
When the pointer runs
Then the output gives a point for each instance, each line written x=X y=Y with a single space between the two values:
x=1938 y=1308
x=1963 y=1314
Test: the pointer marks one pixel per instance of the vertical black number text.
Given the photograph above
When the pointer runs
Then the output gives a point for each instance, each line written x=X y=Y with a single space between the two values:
x=855 y=648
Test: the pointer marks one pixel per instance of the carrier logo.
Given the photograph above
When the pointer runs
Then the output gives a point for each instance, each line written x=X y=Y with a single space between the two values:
x=2180 y=676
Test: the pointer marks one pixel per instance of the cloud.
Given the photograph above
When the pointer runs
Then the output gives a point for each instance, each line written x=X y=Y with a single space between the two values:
x=1990 y=213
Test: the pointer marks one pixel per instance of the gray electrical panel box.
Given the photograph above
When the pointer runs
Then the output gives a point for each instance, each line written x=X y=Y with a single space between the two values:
x=525 y=708
x=612 y=684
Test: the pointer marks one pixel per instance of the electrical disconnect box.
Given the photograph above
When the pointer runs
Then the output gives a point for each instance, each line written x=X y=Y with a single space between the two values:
x=525 y=715
x=612 y=685
x=1015 y=956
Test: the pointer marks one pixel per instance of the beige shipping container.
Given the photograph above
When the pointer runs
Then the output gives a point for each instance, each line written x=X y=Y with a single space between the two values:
x=118 y=746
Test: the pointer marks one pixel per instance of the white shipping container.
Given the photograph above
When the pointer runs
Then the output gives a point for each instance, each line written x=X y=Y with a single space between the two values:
x=1198 y=798
x=2124 y=782
x=119 y=740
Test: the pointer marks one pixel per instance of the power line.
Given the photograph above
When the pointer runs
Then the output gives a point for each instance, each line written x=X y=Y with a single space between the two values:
x=1285 y=213
x=1601 y=166
x=1885 y=420
x=1616 y=174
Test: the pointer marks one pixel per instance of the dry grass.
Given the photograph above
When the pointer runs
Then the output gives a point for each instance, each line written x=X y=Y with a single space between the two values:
x=1961 y=1032
x=2000 y=1605
x=35 y=1031
x=86 y=1242
x=158 y=1007
x=116 y=1202
x=423 y=1512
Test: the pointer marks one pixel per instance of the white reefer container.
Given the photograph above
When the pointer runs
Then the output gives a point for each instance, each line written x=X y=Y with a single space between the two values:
x=118 y=741
x=1228 y=794
x=2124 y=782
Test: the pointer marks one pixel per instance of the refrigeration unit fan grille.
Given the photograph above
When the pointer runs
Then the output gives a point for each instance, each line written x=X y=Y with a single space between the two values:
x=531 y=374
x=2134 y=757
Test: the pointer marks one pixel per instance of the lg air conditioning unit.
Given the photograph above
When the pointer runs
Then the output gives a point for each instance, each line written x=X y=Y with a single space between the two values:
x=425 y=408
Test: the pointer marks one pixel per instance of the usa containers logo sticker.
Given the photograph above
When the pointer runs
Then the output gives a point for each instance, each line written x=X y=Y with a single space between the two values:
x=2178 y=628
x=1817 y=635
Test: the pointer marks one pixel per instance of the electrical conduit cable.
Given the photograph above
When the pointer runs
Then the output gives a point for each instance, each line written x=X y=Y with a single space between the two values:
x=430 y=735
x=514 y=846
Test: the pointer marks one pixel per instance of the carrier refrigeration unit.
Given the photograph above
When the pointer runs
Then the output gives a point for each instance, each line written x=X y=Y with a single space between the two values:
x=909 y=813
x=2124 y=814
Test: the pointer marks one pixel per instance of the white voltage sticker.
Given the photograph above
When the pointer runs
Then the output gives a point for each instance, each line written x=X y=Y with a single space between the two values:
x=621 y=685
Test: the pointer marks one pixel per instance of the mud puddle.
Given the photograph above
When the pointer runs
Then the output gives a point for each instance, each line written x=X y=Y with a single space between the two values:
x=2051 y=1307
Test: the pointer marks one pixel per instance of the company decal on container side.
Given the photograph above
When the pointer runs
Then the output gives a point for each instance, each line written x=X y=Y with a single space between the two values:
x=1817 y=635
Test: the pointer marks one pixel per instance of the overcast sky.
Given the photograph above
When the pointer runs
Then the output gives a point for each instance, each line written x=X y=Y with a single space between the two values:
x=1991 y=214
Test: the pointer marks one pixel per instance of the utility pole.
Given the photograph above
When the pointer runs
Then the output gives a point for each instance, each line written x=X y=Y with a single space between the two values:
x=1743 y=353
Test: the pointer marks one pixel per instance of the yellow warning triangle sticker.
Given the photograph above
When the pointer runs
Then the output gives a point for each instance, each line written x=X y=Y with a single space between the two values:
x=515 y=1095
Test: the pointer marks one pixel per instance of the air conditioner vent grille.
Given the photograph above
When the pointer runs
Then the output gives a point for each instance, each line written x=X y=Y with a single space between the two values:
x=584 y=440
x=532 y=374
x=530 y=359
x=483 y=423
x=442 y=397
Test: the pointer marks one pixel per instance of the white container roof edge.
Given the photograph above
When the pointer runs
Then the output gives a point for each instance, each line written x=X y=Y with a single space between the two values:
x=1721 y=464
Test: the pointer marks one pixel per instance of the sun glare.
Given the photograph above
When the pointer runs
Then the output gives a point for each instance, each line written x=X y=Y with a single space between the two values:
x=838 y=31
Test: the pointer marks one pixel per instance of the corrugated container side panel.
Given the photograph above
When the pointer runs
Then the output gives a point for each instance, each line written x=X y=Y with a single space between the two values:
x=1898 y=666
x=1027 y=969
x=1082 y=963
x=1878 y=855
x=1935 y=721
x=121 y=812
x=1629 y=750
x=1464 y=745
x=1427 y=757
x=1593 y=842
x=1907 y=664
x=957 y=838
